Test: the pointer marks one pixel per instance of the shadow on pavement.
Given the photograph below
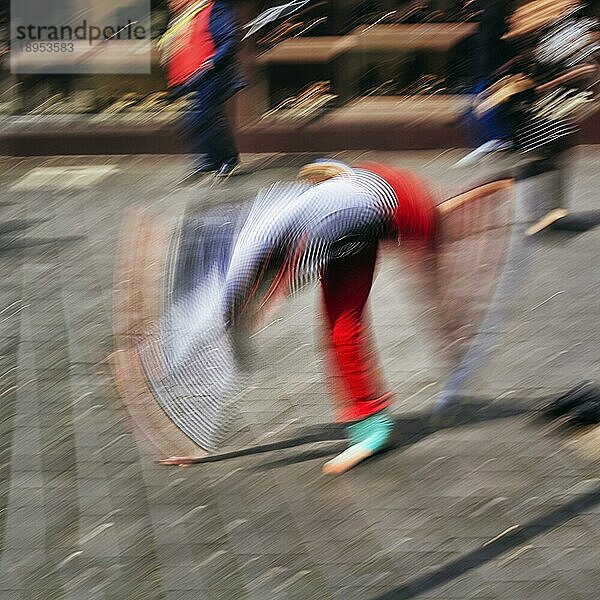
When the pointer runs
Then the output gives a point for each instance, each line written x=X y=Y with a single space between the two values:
x=23 y=243
x=409 y=429
x=18 y=225
x=499 y=545
x=578 y=222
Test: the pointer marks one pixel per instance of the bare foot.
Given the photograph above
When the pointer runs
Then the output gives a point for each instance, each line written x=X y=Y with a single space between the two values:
x=178 y=461
x=345 y=461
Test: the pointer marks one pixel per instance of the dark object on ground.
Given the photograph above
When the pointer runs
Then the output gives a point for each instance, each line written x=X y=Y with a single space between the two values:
x=587 y=413
x=581 y=403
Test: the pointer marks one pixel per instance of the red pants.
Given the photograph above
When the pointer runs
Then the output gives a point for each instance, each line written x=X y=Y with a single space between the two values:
x=346 y=286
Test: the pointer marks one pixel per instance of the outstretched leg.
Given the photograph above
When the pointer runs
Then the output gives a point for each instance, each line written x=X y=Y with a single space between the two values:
x=346 y=286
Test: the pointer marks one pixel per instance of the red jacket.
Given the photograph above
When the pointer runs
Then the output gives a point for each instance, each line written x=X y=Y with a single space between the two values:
x=193 y=47
x=416 y=216
x=211 y=35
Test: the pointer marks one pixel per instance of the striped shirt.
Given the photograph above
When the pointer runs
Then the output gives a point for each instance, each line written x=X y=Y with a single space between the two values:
x=290 y=230
x=301 y=228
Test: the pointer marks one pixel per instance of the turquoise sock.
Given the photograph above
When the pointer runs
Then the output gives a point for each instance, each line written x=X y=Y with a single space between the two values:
x=372 y=433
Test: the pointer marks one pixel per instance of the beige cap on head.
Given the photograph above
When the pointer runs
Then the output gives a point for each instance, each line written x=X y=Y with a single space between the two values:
x=318 y=172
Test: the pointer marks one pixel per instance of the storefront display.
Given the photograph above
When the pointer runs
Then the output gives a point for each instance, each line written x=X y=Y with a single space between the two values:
x=319 y=58
x=365 y=49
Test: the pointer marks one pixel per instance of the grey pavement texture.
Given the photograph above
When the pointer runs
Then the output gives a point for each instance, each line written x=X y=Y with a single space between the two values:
x=494 y=505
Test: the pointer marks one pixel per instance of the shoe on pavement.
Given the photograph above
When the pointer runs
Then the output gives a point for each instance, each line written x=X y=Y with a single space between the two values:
x=483 y=151
x=367 y=437
x=227 y=168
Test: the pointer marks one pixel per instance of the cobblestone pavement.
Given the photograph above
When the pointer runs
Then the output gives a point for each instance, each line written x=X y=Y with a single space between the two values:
x=494 y=505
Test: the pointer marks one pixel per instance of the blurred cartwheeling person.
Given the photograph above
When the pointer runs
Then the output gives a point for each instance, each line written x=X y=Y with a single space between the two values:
x=199 y=49
x=326 y=228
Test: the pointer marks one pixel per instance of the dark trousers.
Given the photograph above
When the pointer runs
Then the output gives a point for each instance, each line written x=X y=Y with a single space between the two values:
x=207 y=128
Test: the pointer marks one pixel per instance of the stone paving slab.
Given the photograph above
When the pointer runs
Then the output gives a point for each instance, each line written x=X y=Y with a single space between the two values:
x=493 y=504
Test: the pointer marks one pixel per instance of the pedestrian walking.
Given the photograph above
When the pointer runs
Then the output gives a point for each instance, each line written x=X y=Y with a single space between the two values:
x=199 y=50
